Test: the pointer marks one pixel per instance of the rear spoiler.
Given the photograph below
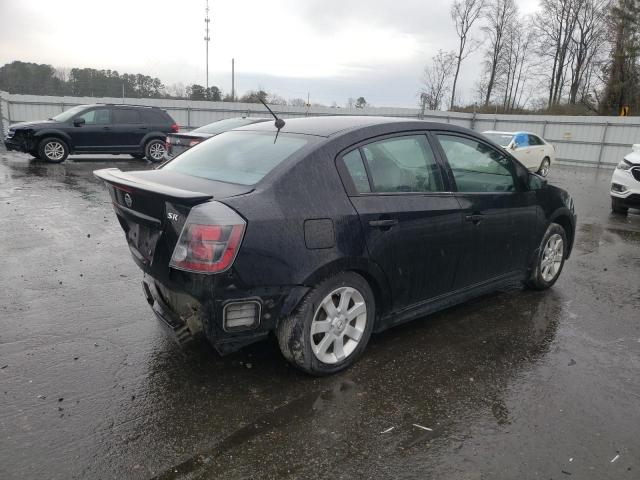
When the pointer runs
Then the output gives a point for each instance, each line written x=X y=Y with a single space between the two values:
x=116 y=177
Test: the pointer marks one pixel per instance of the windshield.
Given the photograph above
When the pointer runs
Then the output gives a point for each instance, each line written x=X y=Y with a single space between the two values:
x=67 y=115
x=503 y=139
x=237 y=157
x=224 y=125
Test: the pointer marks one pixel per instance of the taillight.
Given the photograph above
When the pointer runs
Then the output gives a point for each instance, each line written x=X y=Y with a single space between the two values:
x=174 y=128
x=210 y=239
x=194 y=142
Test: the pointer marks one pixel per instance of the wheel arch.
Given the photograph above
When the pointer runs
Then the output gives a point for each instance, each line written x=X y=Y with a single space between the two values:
x=364 y=267
x=563 y=218
x=43 y=134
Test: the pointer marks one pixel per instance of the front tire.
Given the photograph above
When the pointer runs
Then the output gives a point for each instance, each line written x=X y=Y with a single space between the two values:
x=617 y=207
x=154 y=151
x=53 y=150
x=544 y=167
x=549 y=259
x=331 y=327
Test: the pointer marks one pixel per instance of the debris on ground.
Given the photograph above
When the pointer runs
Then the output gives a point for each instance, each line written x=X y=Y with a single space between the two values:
x=615 y=458
x=387 y=430
x=423 y=428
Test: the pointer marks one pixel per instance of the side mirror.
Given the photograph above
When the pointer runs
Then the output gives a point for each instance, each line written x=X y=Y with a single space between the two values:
x=536 y=182
x=78 y=122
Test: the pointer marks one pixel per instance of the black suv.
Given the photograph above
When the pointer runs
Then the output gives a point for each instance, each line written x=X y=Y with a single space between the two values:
x=137 y=130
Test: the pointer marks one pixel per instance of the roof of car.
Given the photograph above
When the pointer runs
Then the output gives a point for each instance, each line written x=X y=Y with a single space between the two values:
x=326 y=126
x=508 y=133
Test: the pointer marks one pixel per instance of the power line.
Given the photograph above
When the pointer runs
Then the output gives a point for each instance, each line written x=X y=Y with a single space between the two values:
x=207 y=38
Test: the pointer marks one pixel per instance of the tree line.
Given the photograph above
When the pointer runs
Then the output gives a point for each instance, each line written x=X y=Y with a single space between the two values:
x=572 y=56
x=41 y=79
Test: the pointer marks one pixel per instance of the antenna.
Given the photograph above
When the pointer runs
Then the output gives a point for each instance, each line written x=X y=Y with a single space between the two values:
x=207 y=38
x=279 y=123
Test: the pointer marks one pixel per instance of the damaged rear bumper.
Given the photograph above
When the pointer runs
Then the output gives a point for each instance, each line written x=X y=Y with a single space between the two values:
x=187 y=318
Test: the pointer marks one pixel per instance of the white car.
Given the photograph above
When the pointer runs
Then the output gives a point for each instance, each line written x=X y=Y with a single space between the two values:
x=625 y=183
x=530 y=149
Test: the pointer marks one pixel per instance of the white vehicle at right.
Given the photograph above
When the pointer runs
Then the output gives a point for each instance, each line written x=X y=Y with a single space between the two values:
x=625 y=183
x=531 y=150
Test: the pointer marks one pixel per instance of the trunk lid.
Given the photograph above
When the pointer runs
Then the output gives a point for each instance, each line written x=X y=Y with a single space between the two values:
x=152 y=207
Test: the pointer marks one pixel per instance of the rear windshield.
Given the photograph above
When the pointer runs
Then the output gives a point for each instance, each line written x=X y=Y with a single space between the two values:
x=224 y=125
x=237 y=157
x=502 y=139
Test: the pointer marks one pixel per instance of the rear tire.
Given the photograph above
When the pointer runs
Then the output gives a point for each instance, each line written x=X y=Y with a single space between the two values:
x=549 y=259
x=341 y=312
x=544 y=167
x=154 y=151
x=53 y=150
x=617 y=207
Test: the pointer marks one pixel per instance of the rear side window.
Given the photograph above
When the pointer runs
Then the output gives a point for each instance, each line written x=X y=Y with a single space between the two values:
x=477 y=167
x=402 y=164
x=535 y=141
x=126 y=115
x=153 y=116
x=237 y=157
x=357 y=171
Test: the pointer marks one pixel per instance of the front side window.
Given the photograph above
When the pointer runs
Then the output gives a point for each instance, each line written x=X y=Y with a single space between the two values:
x=402 y=164
x=126 y=115
x=97 y=116
x=477 y=167
x=242 y=157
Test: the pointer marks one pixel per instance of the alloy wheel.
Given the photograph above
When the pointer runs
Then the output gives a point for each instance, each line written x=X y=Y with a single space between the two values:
x=54 y=151
x=338 y=325
x=544 y=168
x=552 y=255
x=156 y=151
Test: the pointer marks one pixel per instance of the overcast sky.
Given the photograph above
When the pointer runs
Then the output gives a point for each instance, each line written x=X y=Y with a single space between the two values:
x=334 y=49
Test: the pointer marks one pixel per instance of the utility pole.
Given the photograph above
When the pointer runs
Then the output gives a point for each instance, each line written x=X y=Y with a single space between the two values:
x=207 y=38
x=233 y=79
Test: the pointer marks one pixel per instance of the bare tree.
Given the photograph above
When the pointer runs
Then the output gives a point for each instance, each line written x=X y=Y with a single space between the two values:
x=436 y=80
x=587 y=45
x=464 y=13
x=555 y=24
x=499 y=15
x=297 y=102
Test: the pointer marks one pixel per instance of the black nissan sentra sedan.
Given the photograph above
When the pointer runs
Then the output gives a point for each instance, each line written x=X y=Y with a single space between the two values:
x=332 y=228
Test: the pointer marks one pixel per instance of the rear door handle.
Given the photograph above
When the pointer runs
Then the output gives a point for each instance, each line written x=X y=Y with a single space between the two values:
x=387 y=223
x=106 y=128
x=142 y=128
x=476 y=218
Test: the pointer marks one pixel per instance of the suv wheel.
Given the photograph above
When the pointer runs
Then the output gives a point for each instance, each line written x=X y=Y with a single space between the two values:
x=617 y=207
x=331 y=327
x=550 y=258
x=53 y=150
x=154 y=151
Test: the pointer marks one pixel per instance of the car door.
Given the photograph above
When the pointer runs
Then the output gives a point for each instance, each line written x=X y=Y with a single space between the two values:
x=92 y=130
x=409 y=216
x=538 y=152
x=499 y=212
x=129 y=128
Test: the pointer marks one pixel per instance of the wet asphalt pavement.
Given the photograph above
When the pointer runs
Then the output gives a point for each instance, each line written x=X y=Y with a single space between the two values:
x=518 y=384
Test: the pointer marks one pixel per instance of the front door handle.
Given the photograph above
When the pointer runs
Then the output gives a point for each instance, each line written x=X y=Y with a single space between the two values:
x=106 y=128
x=476 y=218
x=383 y=224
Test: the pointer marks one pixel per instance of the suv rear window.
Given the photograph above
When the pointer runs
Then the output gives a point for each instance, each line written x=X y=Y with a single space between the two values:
x=237 y=157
